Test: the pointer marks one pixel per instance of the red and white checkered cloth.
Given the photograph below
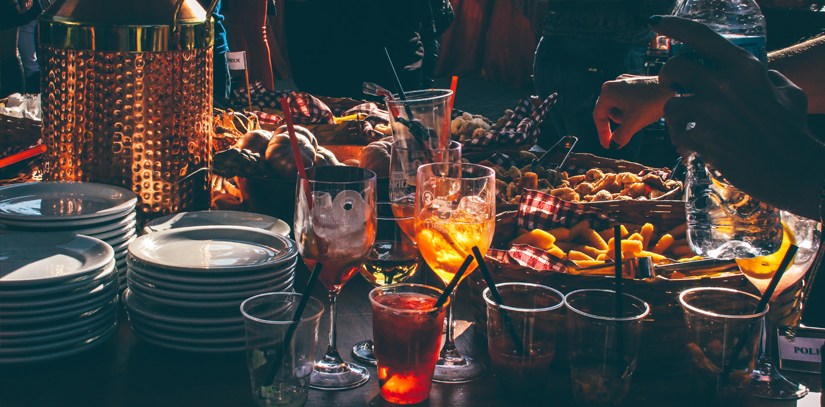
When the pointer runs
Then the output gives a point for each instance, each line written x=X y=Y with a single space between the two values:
x=538 y=210
x=522 y=129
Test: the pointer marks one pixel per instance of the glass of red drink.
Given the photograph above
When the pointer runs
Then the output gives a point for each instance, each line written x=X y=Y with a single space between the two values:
x=537 y=316
x=407 y=335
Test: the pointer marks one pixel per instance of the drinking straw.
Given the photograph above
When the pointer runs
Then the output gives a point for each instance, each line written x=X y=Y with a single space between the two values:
x=760 y=307
x=299 y=161
x=418 y=131
x=25 y=154
x=295 y=320
x=454 y=281
x=446 y=135
x=497 y=297
x=617 y=247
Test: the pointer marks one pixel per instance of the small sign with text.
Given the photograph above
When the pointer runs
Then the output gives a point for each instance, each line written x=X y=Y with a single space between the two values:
x=802 y=352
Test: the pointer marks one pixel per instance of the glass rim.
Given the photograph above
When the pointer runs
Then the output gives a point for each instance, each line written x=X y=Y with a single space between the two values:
x=372 y=177
x=304 y=318
x=490 y=301
x=407 y=311
x=438 y=94
x=700 y=311
x=454 y=146
x=602 y=317
x=390 y=218
x=487 y=169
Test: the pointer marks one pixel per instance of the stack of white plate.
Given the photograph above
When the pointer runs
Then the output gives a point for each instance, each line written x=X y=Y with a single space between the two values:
x=58 y=295
x=101 y=211
x=217 y=218
x=186 y=285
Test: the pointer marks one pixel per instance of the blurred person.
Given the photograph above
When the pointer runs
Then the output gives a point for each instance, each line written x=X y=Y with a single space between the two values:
x=440 y=18
x=585 y=43
x=13 y=14
x=27 y=47
x=220 y=66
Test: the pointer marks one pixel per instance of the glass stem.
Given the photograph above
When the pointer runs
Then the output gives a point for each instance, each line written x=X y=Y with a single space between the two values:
x=767 y=343
x=332 y=355
x=449 y=351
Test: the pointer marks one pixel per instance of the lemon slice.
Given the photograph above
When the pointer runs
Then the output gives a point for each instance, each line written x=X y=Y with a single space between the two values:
x=766 y=266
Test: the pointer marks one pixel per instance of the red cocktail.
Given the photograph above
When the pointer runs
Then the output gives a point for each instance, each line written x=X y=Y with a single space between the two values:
x=407 y=335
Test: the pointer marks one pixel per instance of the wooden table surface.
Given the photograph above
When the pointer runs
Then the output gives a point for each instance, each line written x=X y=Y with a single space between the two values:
x=125 y=371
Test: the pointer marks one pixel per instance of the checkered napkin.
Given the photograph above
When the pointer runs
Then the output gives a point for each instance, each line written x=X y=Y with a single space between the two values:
x=522 y=129
x=503 y=160
x=374 y=114
x=261 y=97
x=538 y=210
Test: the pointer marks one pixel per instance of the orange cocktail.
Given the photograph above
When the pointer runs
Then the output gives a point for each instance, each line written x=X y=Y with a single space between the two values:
x=445 y=244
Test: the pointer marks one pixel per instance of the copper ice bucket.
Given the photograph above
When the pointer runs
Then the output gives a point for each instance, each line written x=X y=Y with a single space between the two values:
x=128 y=98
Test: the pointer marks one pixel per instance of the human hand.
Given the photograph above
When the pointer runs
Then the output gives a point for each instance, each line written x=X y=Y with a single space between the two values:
x=633 y=102
x=25 y=5
x=750 y=124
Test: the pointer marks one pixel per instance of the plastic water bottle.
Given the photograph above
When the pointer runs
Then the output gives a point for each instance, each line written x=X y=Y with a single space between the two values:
x=722 y=221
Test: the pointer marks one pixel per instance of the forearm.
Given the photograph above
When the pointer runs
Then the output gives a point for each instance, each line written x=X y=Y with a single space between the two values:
x=803 y=65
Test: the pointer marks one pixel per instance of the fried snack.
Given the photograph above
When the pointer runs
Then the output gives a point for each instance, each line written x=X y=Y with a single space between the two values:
x=590 y=251
x=567 y=194
x=681 y=250
x=608 y=233
x=575 y=255
x=637 y=237
x=620 y=197
x=603 y=183
x=634 y=190
x=663 y=244
x=521 y=231
x=584 y=188
x=562 y=234
x=529 y=181
x=575 y=180
x=630 y=246
x=657 y=258
x=694 y=258
x=557 y=252
x=601 y=196
x=501 y=186
x=628 y=178
x=536 y=238
x=590 y=236
x=647 y=233
x=577 y=228
x=593 y=174
x=681 y=242
x=678 y=231
x=566 y=246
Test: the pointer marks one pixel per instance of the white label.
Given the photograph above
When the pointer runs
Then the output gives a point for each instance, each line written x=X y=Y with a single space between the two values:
x=801 y=349
x=236 y=60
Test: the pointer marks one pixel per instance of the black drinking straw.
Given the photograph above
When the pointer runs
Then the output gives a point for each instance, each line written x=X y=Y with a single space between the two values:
x=760 y=307
x=418 y=131
x=454 y=282
x=497 y=297
x=295 y=320
x=617 y=247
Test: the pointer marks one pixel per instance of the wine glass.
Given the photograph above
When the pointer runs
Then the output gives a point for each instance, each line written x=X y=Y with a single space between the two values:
x=455 y=209
x=394 y=258
x=766 y=381
x=335 y=223
x=404 y=163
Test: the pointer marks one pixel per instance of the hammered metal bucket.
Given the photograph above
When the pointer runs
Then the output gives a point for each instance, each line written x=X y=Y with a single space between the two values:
x=128 y=98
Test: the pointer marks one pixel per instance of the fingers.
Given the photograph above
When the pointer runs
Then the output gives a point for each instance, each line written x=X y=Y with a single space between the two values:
x=701 y=38
x=625 y=132
x=685 y=133
x=601 y=116
x=682 y=71
x=789 y=90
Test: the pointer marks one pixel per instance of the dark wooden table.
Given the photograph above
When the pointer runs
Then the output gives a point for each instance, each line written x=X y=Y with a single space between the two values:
x=126 y=371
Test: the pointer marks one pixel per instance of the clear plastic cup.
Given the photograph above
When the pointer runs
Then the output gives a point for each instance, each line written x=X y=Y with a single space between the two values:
x=537 y=315
x=427 y=107
x=717 y=319
x=602 y=347
x=268 y=318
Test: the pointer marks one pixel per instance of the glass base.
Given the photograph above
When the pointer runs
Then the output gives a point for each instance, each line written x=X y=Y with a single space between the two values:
x=338 y=376
x=458 y=370
x=767 y=382
x=363 y=352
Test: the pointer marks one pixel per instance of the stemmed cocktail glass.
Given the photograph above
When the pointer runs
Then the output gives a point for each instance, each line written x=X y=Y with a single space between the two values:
x=335 y=224
x=454 y=211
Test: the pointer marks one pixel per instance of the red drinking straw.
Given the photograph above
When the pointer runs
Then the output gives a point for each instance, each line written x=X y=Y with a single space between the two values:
x=444 y=139
x=299 y=161
x=25 y=154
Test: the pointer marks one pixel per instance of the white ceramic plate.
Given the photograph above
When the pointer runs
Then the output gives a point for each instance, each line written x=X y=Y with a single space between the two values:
x=201 y=304
x=195 y=296
x=116 y=240
x=160 y=313
x=213 y=218
x=207 y=288
x=89 y=328
x=63 y=225
x=56 y=301
x=80 y=285
x=31 y=259
x=185 y=347
x=46 y=201
x=236 y=339
x=91 y=343
x=213 y=248
x=210 y=278
x=136 y=318
x=118 y=231
x=83 y=304
x=52 y=316
x=90 y=317
x=57 y=345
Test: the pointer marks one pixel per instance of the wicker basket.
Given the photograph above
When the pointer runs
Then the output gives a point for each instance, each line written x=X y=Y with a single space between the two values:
x=663 y=348
x=17 y=131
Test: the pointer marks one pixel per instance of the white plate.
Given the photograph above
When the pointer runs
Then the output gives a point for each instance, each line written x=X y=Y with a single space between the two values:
x=161 y=313
x=187 y=348
x=213 y=248
x=82 y=305
x=210 y=218
x=98 y=279
x=63 y=225
x=90 y=317
x=91 y=343
x=184 y=295
x=120 y=231
x=136 y=318
x=48 y=258
x=201 y=304
x=89 y=328
x=207 y=288
x=52 y=316
x=238 y=339
x=61 y=344
x=63 y=201
x=56 y=301
x=210 y=278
